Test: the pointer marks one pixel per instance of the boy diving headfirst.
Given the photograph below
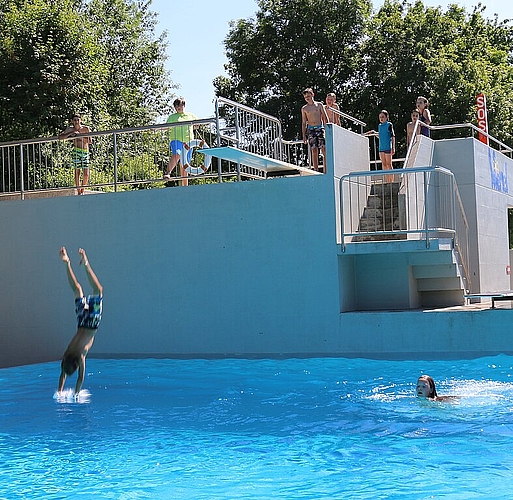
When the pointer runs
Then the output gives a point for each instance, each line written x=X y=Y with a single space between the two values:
x=89 y=315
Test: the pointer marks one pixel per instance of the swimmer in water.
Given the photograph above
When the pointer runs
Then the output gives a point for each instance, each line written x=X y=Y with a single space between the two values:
x=89 y=314
x=426 y=389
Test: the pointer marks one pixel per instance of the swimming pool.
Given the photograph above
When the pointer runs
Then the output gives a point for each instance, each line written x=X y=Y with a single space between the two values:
x=296 y=428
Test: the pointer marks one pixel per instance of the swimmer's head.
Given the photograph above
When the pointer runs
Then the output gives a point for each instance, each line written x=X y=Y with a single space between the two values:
x=69 y=364
x=331 y=98
x=426 y=387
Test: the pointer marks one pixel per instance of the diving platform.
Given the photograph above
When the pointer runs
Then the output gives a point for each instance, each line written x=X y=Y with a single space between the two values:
x=253 y=160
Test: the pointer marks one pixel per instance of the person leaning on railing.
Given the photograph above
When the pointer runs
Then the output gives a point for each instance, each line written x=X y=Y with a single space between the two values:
x=80 y=153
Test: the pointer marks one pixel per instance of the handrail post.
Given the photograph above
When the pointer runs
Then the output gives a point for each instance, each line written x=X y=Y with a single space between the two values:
x=426 y=209
x=218 y=129
x=237 y=136
x=22 y=177
x=115 y=146
x=342 y=227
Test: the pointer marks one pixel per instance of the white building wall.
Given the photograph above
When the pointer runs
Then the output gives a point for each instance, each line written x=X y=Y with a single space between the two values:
x=485 y=182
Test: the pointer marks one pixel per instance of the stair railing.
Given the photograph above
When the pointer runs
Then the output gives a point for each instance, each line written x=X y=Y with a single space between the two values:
x=428 y=206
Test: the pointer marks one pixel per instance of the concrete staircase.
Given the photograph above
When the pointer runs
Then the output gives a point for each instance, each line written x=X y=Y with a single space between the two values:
x=437 y=275
x=435 y=271
x=383 y=212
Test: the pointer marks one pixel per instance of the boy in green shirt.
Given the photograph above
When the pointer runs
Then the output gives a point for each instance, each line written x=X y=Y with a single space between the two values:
x=179 y=137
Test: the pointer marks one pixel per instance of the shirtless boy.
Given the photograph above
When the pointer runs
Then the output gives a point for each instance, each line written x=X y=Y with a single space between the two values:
x=331 y=102
x=89 y=314
x=80 y=153
x=314 y=117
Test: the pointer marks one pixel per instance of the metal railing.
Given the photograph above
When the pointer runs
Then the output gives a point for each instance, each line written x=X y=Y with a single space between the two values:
x=468 y=127
x=345 y=118
x=136 y=158
x=422 y=204
x=250 y=130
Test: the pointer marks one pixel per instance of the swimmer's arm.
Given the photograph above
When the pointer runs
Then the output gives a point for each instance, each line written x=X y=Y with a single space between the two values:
x=81 y=373
x=324 y=115
x=303 y=123
x=67 y=133
x=427 y=115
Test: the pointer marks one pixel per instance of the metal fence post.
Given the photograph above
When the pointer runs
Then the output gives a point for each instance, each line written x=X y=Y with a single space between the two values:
x=115 y=146
x=22 y=177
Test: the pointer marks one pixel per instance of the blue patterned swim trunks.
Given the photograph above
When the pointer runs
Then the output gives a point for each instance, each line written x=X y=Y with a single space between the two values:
x=89 y=311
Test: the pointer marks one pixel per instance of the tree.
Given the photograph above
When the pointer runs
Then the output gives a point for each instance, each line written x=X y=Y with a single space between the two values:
x=384 y=60
x=43 y=49
x=96 y=57
x=290 y=45
x=447 y=57
x=136 y=88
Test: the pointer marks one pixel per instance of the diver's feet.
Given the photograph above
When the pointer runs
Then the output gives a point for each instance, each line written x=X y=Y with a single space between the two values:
x=83 y=256
x=64 y=254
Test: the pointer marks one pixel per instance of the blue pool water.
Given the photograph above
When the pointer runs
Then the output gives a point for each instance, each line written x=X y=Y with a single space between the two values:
x=258 y=429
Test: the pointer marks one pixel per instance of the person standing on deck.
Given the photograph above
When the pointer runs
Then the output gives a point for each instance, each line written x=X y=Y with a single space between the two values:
x=331 y=102
x=80 y=153
x=425 y=114
x=386 y=141
x=179 y=137
x=314 y=118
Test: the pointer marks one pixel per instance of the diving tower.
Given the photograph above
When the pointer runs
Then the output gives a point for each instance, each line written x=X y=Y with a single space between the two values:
x=258 y=257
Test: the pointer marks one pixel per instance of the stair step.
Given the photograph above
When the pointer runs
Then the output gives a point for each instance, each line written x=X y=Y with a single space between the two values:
x=432 y=257
x=439 y=284
x=436 y=271
x=442 y=299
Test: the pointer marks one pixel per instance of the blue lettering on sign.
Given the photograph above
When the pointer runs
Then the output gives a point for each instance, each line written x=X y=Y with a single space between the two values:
x=499 y=176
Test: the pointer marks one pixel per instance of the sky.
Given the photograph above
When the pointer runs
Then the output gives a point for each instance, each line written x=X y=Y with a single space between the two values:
x=196 y=31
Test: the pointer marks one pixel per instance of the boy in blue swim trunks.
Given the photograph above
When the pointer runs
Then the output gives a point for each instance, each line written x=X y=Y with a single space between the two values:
x=89 y=314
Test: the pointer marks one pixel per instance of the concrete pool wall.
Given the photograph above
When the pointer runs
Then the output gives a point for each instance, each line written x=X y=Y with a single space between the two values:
x=233 y=269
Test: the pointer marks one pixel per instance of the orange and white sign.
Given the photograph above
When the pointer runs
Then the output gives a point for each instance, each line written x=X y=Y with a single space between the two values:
x=482 y=117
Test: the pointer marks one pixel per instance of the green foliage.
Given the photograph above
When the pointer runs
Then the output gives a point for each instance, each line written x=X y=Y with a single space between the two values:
x=47 y=66
x=137 y=88
x=372 y=61
x=96 y=57
x=290 y=45
x=448 y=57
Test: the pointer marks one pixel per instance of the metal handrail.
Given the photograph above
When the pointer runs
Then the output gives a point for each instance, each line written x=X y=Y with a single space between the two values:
x=348 y=117
x=17 y=156
x=117 y=131
x=503 y=148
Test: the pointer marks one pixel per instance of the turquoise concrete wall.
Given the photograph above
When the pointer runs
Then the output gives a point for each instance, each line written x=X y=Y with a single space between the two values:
x=238 y=268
